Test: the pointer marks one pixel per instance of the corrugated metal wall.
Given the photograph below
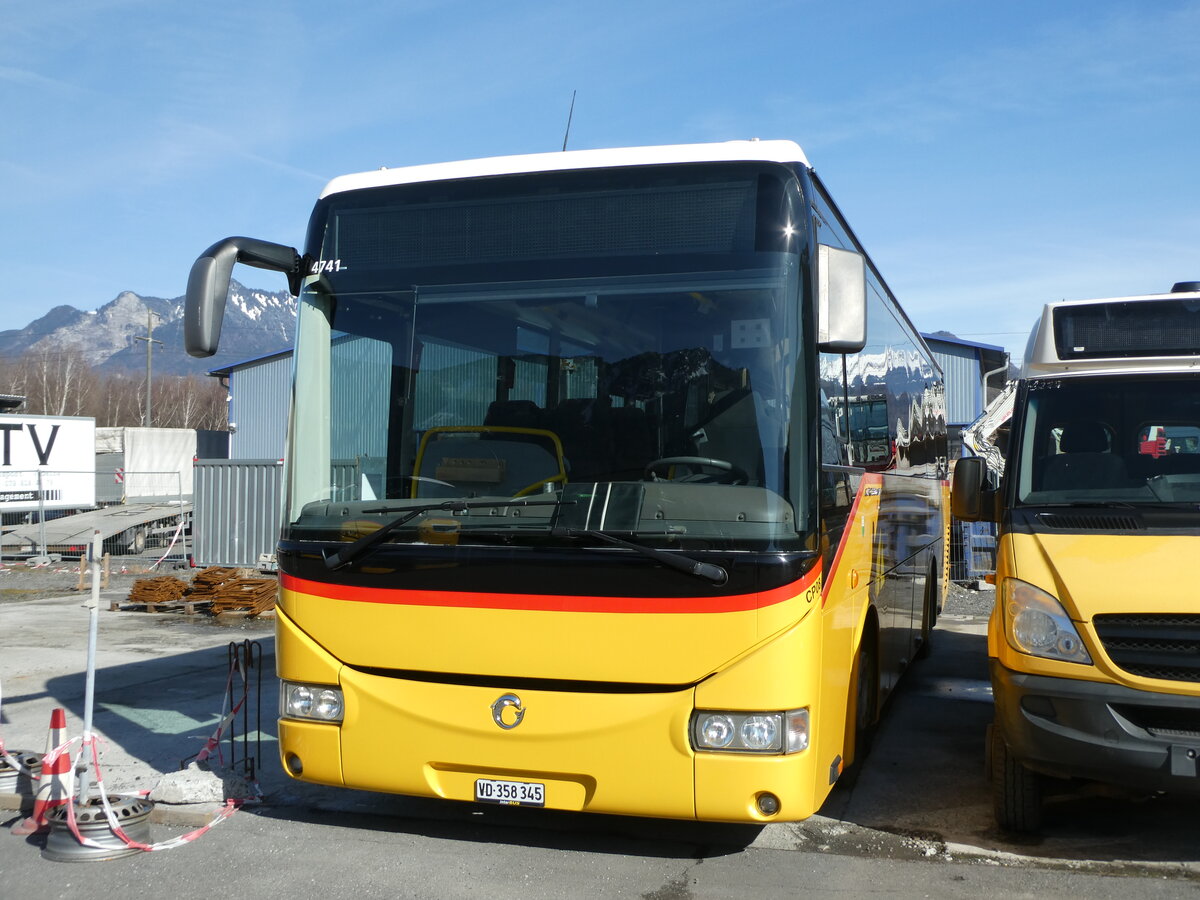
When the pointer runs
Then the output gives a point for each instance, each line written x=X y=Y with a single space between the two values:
x=261 y=392
x=237 y=512
x=359 y=396
x=259 y=408
x=960 y=365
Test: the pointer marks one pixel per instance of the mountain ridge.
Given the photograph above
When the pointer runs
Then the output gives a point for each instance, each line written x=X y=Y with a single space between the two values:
x=257 y=323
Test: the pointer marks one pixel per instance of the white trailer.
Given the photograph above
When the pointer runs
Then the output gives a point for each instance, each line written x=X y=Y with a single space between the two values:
x=144 y=464
x=126 y=529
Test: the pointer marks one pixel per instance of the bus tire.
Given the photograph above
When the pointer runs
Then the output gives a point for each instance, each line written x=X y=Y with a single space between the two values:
x=1016 y=790
x=928 y=614
x=866 y=697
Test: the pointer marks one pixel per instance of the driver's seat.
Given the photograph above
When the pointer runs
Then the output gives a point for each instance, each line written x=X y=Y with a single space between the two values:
x=1084 y=461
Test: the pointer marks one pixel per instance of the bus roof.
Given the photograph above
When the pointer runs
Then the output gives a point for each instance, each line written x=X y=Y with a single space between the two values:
x=1141 y=333
x=729 y=151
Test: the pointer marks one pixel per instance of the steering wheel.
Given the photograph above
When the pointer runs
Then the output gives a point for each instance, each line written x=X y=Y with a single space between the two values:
x=731 y=473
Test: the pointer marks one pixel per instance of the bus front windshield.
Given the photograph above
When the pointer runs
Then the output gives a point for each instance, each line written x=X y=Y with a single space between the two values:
x=1111 y=441
x=641 y=392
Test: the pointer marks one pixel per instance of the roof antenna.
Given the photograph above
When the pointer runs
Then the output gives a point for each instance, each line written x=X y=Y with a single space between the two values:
x=569 y=115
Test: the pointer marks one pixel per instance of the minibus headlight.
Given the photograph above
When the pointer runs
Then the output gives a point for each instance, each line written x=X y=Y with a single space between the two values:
x=318 y=702
x=759 y=732
x=1036 y=623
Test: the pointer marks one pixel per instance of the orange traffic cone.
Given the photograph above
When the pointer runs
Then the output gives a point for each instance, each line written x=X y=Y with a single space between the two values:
x=57 y=780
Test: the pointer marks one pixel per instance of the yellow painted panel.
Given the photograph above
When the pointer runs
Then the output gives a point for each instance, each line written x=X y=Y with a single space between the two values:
x=666 y=648
x=619 y=753
x=1092 y=574
x=728 y=785
x=298 y=657
x=317 y=746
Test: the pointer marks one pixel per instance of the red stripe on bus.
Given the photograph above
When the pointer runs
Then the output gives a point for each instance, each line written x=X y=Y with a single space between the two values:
x=868 y=480
x=551 y=603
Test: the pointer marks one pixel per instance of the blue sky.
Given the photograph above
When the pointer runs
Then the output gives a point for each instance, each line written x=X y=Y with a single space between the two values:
x=991 y=156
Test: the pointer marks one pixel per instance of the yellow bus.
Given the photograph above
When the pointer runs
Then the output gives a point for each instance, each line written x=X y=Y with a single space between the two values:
x=1094 y=642
x=570 y=519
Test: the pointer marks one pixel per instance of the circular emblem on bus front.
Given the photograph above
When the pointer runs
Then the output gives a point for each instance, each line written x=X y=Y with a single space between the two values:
x=508 y=701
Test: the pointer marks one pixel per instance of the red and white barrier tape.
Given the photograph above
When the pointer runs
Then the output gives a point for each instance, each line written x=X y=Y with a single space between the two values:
x=174 y=538
x=4 y=754
x=114 y=824
x=230 y=710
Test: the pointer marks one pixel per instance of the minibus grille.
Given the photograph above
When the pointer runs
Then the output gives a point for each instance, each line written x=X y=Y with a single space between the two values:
x=1165 y=646
x=1075 y=521
x=1166 y=722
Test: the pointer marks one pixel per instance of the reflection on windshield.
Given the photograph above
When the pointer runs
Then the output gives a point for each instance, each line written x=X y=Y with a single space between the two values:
x=675 y=386
x=1131 y=439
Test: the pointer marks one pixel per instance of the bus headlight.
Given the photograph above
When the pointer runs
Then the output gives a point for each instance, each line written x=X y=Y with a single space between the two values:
x=1036 y=623
x=318 y=702
x=759 y=732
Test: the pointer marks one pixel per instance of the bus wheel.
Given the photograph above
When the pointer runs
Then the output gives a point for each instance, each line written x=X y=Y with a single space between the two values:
x=866 y=698
x=929 y=614
x=1016 y=791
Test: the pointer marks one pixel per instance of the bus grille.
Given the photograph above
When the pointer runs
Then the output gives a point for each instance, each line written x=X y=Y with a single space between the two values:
x=1164 y=646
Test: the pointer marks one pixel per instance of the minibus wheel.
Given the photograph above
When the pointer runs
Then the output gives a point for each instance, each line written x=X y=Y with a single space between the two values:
x=1016 y=790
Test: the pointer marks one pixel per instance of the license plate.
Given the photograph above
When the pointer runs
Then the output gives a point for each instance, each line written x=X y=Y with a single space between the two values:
x=510 y=793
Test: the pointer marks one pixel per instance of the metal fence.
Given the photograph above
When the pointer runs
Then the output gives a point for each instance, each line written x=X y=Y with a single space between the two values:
x=49 y=516
x=972 y=551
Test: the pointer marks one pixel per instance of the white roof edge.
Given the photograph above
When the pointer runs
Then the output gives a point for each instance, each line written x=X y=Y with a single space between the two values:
x=1041 y=359
x=1186 y=365
x=728 y=151
x=1177 y=295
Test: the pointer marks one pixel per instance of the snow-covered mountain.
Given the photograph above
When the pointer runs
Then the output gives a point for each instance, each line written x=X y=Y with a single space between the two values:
x=256 y=323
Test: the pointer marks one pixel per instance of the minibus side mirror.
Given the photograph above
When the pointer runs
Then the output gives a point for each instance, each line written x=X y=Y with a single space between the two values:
x=971 y=498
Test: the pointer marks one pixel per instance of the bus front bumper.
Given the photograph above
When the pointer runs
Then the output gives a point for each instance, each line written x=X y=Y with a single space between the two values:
x=1096 y=731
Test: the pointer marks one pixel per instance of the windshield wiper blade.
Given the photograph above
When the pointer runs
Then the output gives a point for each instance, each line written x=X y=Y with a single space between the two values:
x=678 y=561
x=364 y=544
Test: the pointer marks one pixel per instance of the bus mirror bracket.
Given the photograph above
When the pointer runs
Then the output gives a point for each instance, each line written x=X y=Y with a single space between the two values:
x=208 y=285
x=971 y=497
x=841 y=300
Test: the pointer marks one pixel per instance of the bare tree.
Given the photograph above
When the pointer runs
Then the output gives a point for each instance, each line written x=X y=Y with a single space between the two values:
x=59 y=383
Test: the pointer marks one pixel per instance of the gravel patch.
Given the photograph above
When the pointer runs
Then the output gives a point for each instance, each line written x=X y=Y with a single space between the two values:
x=969 y=601
x=22 y=582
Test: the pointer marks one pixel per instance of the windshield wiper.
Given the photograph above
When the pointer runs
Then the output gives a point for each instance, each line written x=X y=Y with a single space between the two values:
x=708 y=571
x=364 y=544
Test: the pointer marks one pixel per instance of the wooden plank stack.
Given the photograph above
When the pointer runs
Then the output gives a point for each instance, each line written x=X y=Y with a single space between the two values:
x=220 y=590
x=244 y=596
x=154 y=593
x=208 y=581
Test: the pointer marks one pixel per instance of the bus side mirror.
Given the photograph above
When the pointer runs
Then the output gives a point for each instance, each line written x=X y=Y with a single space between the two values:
x=841 y=300
x=971 y=498
x=208 y=285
